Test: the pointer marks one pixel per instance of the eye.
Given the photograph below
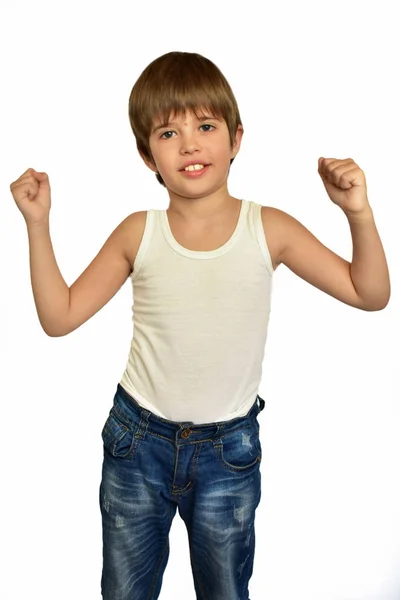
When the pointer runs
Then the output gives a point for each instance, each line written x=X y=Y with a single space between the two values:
x=169 y=137
x=207 y=125
x=162 y=135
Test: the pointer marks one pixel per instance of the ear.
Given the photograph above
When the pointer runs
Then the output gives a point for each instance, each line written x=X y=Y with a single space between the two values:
x=238 y=141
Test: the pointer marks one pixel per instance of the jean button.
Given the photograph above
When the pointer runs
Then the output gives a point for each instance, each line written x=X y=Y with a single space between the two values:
x=185 y=433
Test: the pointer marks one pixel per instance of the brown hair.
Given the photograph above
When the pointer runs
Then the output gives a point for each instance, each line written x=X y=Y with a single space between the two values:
x=174 y=83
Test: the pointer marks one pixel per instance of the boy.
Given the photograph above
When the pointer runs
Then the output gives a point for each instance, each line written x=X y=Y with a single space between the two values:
x=183 y=430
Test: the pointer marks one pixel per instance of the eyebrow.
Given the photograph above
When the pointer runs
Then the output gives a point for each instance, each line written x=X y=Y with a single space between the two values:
x=173 y=123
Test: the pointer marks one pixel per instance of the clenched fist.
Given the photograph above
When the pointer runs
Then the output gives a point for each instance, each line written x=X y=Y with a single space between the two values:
x=31 y=193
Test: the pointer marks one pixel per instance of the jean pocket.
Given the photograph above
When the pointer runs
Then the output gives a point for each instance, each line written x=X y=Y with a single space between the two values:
x=118 y=437
x=240 y=450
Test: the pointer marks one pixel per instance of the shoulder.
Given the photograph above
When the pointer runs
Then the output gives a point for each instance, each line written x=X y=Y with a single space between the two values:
x=132 y=229
x=135 y=220
x=275 y=224
x=285 y=235
x=270 y=213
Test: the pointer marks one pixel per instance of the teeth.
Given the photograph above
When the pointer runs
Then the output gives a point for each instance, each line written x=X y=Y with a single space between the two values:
x=194 y=167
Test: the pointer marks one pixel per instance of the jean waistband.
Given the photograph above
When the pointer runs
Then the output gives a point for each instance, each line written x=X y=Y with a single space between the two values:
x=132 y=413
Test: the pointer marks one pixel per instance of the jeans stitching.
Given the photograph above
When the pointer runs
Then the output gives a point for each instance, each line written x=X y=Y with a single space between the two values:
x=161 y=559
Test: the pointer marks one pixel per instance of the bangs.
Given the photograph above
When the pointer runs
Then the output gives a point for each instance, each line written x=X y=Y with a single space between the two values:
x=170 y=111
x=177 y=83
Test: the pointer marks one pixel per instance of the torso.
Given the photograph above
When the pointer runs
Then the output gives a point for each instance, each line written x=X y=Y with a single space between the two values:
x=210 y=237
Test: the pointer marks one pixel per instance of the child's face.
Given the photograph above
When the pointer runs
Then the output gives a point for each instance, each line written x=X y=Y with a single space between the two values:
x=205 y=141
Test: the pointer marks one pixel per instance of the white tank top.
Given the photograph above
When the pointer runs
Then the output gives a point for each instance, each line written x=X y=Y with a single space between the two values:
x=200 y=322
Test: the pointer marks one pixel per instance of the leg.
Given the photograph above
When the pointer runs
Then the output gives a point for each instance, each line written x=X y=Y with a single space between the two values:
x=136 y=515
x=219 y=514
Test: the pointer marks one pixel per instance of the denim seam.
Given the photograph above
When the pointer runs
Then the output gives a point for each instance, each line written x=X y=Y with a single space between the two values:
x=160 y=563
x=231 y=468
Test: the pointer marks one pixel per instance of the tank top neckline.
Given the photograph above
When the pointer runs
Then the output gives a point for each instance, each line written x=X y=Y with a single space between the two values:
x=204 y=253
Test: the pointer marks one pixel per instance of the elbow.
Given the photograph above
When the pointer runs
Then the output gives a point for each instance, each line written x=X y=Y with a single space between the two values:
x=55 y=327
x=382 y=306
x=56 y=335
x=375 y=307
x=55 y=332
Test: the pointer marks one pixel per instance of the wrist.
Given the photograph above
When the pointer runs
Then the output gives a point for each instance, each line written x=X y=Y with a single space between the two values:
x=359 y=217
x=44 y=224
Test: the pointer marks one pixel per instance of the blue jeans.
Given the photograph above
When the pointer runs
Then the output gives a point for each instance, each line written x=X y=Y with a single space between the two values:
x=151 y=467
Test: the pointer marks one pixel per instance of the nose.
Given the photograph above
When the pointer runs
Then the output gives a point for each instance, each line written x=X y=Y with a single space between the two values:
x=189 y=142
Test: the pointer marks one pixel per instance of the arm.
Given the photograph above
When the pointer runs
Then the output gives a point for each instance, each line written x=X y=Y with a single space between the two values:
x=369 y=270
x=363 y=284
x=50 y=292
x=62 y=309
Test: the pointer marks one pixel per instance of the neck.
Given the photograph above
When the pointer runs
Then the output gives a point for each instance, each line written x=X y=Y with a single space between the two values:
x=202 y=209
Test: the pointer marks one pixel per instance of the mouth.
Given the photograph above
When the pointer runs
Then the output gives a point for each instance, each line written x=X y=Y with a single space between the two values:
x=195 y=172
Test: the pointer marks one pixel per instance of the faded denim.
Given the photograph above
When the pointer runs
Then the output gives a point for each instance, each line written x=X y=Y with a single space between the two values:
x=210 y=472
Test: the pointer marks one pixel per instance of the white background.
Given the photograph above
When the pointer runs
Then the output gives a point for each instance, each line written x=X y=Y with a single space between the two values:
x=311 y=79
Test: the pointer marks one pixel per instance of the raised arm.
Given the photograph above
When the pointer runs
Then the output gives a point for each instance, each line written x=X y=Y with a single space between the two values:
x=62 y=309
x=50 y=292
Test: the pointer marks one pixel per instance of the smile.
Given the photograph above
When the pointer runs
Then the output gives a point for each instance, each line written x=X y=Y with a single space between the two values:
x=195 y=173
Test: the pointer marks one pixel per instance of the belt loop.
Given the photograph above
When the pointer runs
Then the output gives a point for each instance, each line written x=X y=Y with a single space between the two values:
x=217 y=438
x=262 y=403
x=144 y=423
